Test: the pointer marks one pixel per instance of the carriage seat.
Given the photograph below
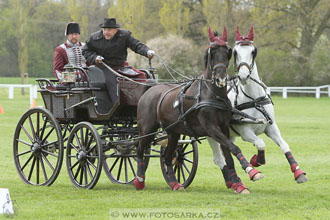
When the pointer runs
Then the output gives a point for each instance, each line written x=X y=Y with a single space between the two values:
x=97 y=81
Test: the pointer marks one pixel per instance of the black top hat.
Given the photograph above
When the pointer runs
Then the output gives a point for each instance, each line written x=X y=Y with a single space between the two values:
x=109 y=23
x=71 y=28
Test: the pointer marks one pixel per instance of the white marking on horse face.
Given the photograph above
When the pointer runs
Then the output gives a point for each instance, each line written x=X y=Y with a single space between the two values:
x=244 y=55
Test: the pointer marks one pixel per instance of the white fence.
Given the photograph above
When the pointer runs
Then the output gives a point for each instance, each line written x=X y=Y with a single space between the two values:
x=317 y=90
x=33 y=90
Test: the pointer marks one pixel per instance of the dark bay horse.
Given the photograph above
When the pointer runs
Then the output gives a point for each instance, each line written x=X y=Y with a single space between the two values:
x=199 y=108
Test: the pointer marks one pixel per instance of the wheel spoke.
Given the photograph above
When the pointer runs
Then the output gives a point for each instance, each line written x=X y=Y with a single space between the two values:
x=86 y=139
x=47 y=161
x=43 y=129
x=38 y=123
x=119 y=169
x=185 y=147
x=183 y=174
x=50 y=153
x=32 y=128
x=78 y=141
x=91 y=149
x=75 y=164
x=92 y=165
x=188 y=152
x=125 y=165
x=22 y=168
x=77 y=172
x=186 y=167
x=43 y=169
x=89 y=171
x=31 y=169
x=28 y=151
x=190 y=161
x=85 y=174
x=50 y=143
x=131 y=165
x=81 y=174
x=51 y=130
x=114 y=164
x=37 y=170
x=178 y=169
x=23 y=142
x=27 y=133
x=74 y=147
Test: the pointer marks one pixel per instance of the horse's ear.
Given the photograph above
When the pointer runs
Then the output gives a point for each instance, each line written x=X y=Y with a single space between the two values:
x=211 y=35
x=238 y=35
x=224 y=35
x=250 y=36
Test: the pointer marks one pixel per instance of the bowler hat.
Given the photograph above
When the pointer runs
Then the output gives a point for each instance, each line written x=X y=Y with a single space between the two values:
x=71 y=28
x=109 y=23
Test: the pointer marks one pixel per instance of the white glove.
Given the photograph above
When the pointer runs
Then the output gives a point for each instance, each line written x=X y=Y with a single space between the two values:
x=99 y=59
x=150 y=54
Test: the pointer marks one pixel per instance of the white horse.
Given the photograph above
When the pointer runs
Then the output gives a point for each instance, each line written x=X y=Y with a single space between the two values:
x=249 y=95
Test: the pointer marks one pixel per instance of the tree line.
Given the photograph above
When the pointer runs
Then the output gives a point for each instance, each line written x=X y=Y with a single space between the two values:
x=292 y=36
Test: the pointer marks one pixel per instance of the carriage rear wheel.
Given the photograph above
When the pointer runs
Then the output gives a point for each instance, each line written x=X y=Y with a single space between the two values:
x=84 y=156
x=184 y=162
x=120 y=162
x=38 y=147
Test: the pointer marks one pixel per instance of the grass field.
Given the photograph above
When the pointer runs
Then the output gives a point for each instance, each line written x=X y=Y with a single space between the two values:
x=304 y=123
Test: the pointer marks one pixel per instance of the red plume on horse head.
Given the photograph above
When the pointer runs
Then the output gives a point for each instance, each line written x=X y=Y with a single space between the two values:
x=248 y=37
x=220 y=41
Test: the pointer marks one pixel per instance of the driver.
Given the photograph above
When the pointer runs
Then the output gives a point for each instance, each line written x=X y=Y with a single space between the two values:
x=109 y=44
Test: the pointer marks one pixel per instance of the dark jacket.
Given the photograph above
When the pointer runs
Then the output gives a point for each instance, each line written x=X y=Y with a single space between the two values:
x=114 y=50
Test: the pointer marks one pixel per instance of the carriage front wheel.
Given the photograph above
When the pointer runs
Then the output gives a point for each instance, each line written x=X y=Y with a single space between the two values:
x=38 y=147
x=184 y=162
x=84 y=156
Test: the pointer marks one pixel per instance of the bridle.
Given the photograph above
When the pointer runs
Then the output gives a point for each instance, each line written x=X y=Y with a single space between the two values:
x=218 y=65
x=249 y=66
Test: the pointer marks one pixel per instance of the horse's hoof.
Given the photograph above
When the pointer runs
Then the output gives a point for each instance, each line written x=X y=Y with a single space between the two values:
x=245 y=191
x=175 y=186
x=240 y=188
x=255 y=175
x=258 y=176
x=300 y=176
x=139 y=183
x=302 y=179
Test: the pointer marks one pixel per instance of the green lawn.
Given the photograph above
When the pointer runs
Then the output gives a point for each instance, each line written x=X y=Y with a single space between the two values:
x=304 y=123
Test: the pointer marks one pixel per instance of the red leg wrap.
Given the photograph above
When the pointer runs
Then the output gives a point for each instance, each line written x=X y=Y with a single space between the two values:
x=293 y=167
x=253 y=161
x=238 y=187
x=138 y=184
x=229 y=184
x=297 y=173
x=253 y=172
x=175 y=186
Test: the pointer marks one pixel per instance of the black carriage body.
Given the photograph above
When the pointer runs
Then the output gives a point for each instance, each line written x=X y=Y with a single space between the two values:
x=78 y=102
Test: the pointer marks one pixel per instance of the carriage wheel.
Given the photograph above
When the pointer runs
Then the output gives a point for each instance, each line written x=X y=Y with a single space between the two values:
x=38 y=147
x=84 y=156
x=184 y=162
x=120 y=162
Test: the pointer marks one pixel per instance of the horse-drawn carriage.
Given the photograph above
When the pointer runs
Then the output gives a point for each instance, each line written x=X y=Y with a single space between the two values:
x=78 y=117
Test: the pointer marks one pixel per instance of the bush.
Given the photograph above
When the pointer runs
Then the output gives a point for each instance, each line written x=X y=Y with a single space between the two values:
x=179 y=53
